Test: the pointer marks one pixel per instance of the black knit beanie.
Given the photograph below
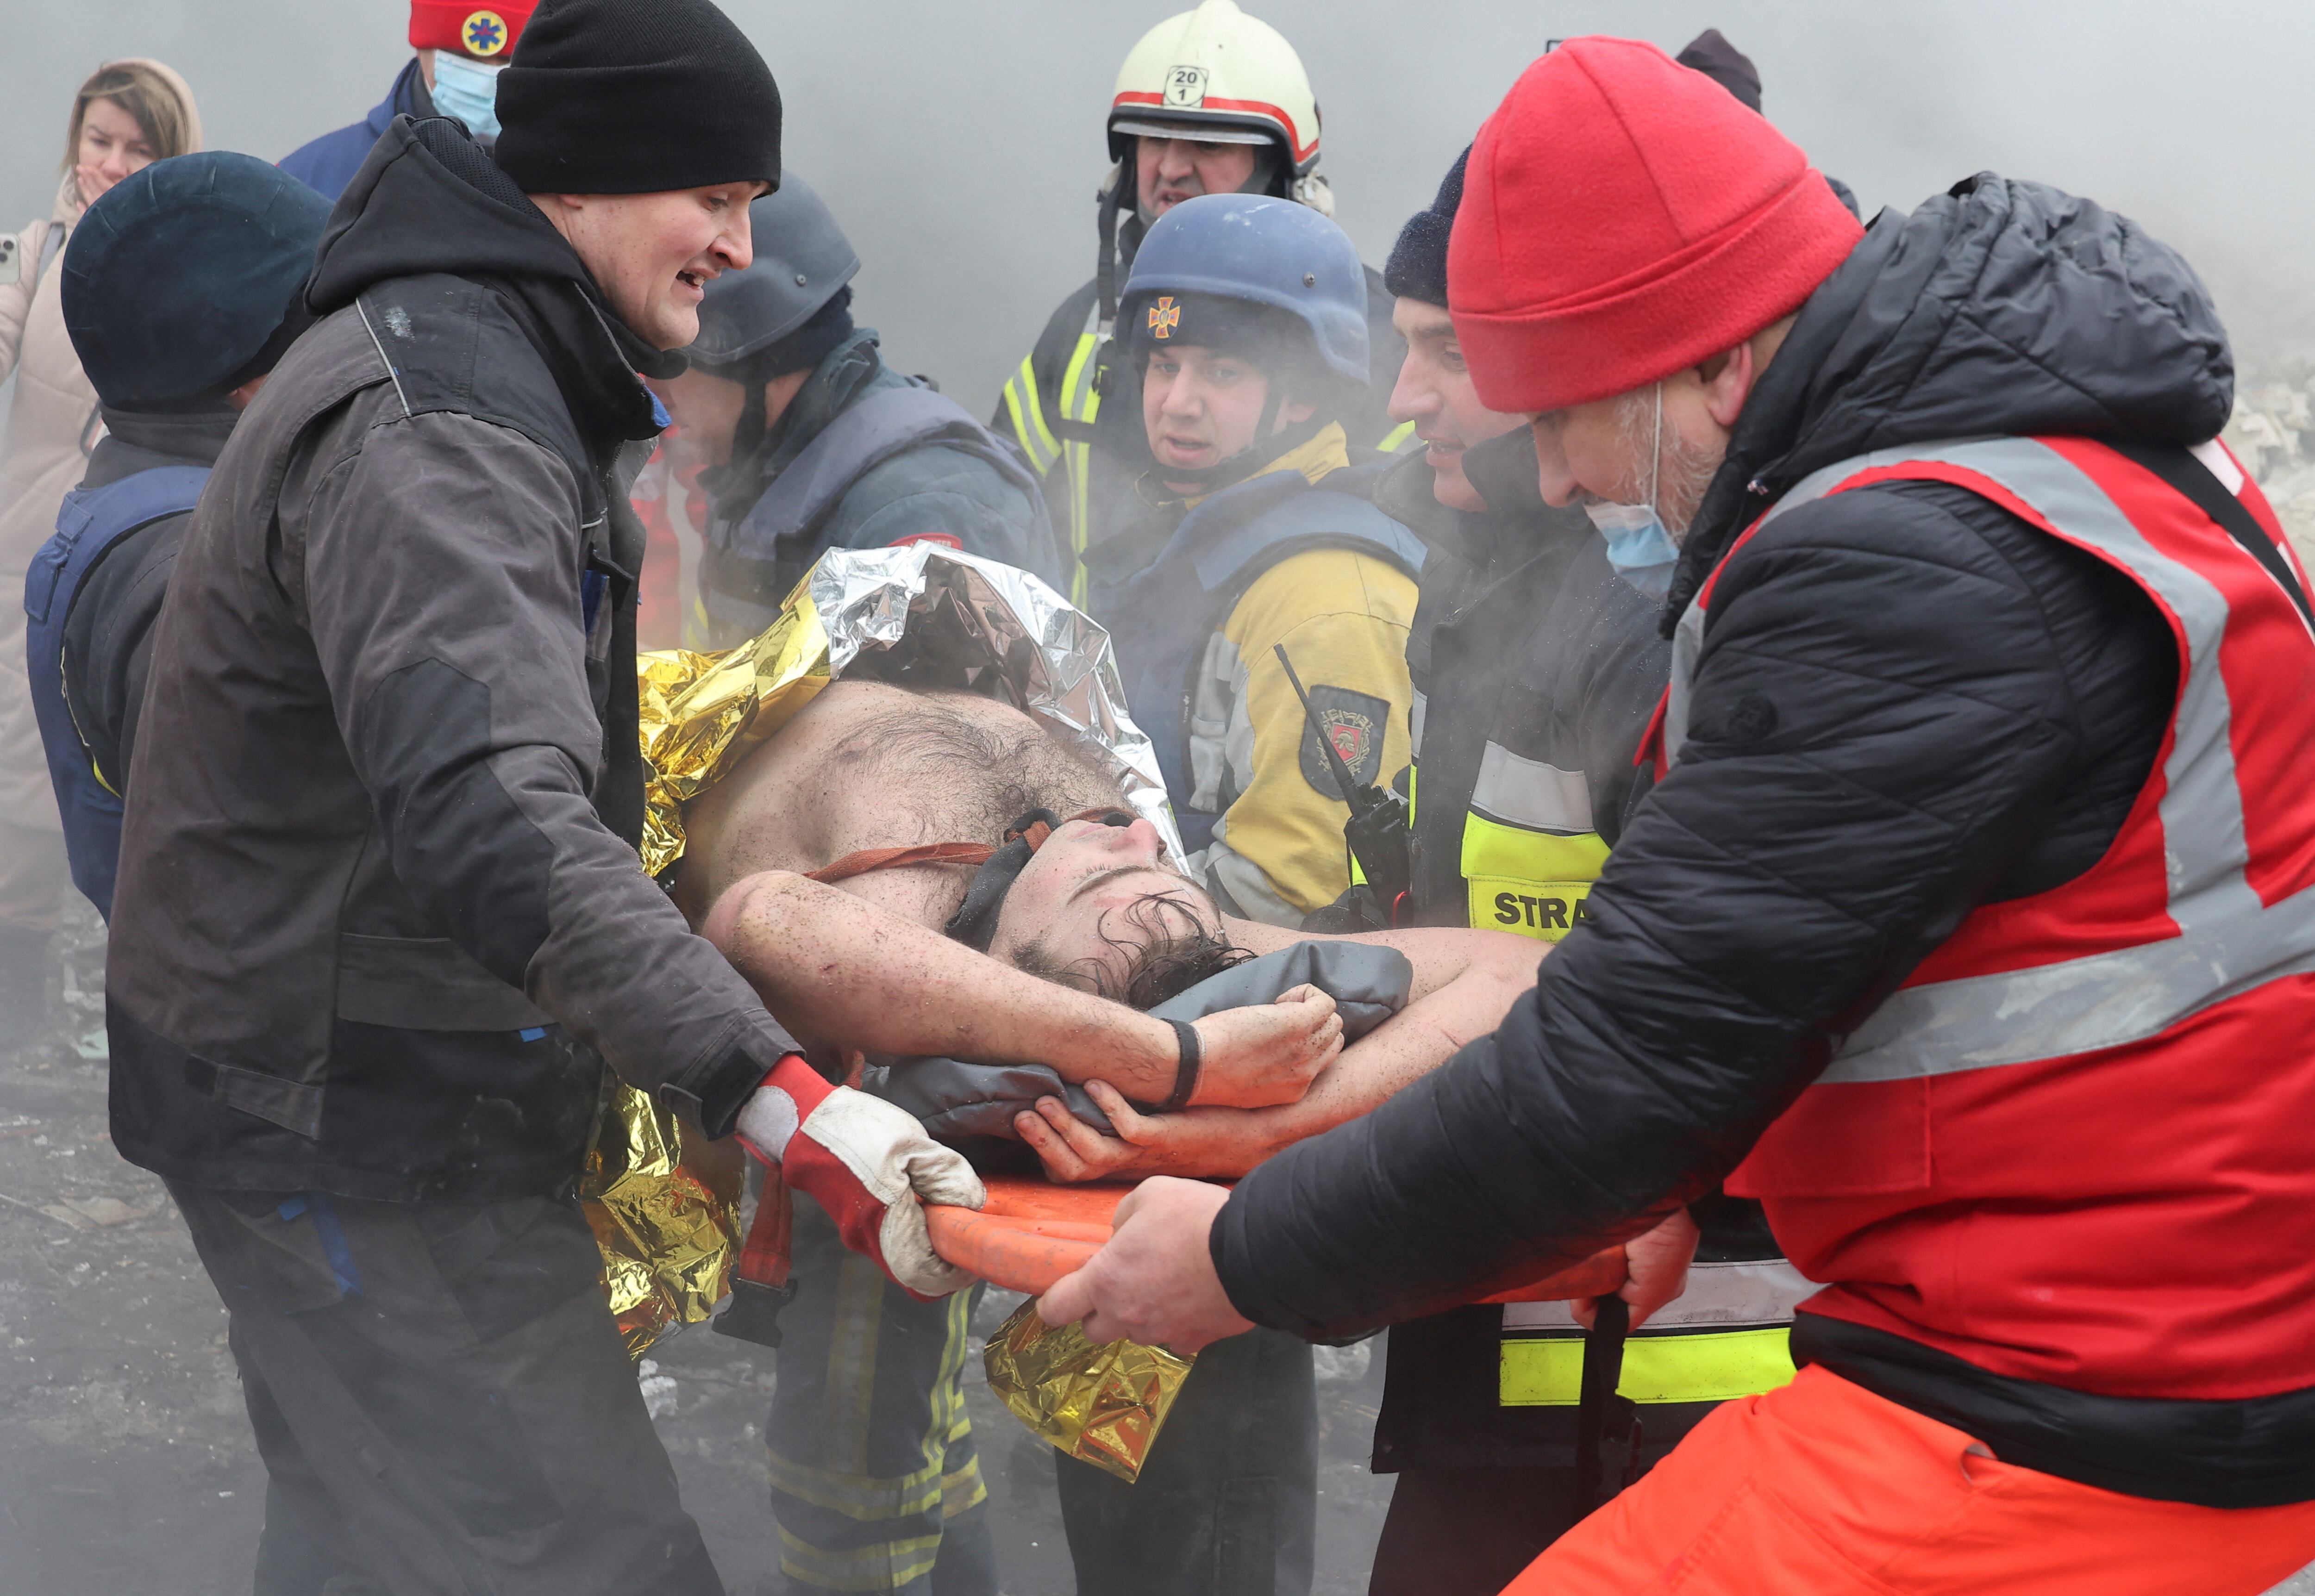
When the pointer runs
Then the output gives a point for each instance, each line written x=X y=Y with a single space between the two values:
x=1710 y=53
x=635 y=97
x=1417 y=268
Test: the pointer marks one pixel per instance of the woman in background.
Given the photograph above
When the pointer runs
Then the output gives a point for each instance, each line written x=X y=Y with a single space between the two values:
x=127 y=115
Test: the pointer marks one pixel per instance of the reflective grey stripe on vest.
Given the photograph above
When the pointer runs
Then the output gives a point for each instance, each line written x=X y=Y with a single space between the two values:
x=1722 y=1296
x=1531 y=794
x=2228 y=943
x=1415 y=723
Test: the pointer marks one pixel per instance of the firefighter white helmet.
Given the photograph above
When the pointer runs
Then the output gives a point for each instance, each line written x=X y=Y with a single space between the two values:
x=1219 y=74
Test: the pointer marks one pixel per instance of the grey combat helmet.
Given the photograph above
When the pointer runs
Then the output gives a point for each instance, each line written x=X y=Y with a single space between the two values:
x=801 y=259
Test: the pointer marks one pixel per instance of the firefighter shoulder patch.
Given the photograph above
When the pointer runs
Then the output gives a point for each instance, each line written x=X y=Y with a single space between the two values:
x=1354 y=724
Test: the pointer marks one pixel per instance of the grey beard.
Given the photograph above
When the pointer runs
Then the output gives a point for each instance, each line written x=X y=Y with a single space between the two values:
x=1683 y=471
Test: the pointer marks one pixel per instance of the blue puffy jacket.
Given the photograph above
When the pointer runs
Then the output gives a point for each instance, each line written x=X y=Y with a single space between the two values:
x=330 y=162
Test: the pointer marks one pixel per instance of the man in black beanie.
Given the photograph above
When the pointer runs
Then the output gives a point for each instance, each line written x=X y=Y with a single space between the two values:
x=380 y=926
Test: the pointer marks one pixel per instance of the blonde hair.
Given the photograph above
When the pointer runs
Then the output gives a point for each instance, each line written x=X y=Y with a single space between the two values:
x=142 y=91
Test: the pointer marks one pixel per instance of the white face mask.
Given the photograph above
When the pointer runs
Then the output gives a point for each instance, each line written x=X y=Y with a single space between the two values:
x=469 y=91
x=1636 y=535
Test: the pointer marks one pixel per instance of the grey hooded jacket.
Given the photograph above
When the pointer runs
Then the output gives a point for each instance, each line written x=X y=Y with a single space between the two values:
x=380 y=917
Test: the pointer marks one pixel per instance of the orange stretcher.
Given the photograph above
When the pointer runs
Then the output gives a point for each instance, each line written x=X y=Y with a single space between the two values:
x=1031 y=1233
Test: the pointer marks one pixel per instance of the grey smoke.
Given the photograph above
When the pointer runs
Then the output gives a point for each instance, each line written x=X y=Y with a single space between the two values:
x=960 y=140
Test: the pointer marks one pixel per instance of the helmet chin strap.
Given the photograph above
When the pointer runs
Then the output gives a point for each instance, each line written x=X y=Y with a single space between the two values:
x=1105 y=270
x=736 y=476
x=1266 y=447
x=748 y=434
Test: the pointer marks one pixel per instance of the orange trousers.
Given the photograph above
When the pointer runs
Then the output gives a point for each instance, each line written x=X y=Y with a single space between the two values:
x=1821 y=1488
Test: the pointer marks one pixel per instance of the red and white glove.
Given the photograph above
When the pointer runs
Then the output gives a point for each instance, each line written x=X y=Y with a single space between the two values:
x=868 y=1163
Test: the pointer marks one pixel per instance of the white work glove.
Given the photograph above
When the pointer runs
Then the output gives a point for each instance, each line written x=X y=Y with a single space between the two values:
x=868 y=1163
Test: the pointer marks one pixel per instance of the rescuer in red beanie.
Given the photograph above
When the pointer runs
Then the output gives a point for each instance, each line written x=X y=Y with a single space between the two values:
x=1964 y=926
x=1679 y=223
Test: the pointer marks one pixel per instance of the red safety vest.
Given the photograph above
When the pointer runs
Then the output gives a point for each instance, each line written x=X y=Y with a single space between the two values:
x=2078 y=1144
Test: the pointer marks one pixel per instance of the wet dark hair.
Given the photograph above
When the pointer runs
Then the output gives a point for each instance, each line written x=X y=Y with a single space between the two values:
x=1175 y=952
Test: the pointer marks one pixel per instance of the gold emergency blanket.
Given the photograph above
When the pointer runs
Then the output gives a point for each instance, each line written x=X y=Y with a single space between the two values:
x=703 y=713
x=668 y=1235
x=1104 y=1405
x=918 y=615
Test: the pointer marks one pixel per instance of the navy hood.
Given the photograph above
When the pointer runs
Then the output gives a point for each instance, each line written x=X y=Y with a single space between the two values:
x=2000 y=308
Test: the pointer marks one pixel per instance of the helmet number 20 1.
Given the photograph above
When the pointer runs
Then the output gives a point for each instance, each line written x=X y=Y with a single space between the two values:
x=1185 y=86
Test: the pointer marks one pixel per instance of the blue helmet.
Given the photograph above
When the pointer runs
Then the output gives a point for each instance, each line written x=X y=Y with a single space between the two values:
x=181 y=280
x=1208 y=256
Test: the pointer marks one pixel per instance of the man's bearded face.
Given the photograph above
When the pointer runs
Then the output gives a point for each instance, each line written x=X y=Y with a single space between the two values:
x=1613 y=450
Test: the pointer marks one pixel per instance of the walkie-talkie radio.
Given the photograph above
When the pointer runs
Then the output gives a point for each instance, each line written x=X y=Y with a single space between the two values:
x=1380 y=836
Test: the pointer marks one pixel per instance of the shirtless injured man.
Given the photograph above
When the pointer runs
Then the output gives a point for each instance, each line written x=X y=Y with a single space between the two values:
x=902 y=871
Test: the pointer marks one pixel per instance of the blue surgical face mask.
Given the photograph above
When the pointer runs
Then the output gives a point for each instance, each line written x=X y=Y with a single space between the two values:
x=1637 y=536
x=469 y=91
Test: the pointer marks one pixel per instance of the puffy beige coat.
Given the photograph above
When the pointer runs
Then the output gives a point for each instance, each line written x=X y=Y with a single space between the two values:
x=52 y=425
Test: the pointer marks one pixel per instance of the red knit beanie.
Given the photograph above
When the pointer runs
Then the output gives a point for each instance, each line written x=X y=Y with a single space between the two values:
x=1624 y=218
x=485 y=31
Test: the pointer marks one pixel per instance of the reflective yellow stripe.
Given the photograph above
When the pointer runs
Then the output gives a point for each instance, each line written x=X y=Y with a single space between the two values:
x=1513 y=852
x=863 y=1498
x=1398 y=438
x=1710 y=1366
x=964 y=1490
x=1079 y=403
x=1530 y=883
x=888 y=1565
x=1028 y=417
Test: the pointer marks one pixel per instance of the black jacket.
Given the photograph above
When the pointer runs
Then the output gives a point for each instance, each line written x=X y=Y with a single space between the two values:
x=1525 y=637
x=379 y=910
x=1909 y=702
